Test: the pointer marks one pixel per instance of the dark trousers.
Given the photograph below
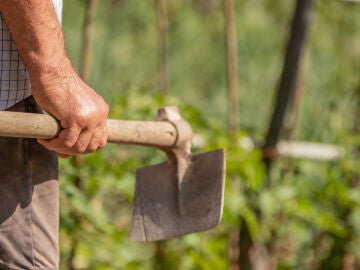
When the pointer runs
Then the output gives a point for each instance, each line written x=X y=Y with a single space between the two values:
x=29 y=202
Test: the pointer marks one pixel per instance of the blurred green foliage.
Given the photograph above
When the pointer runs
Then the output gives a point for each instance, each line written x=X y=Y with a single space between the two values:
x=309 y=218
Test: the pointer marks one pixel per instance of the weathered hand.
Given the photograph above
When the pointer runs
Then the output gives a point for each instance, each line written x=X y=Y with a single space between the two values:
x=81 y=111
x=55 y=85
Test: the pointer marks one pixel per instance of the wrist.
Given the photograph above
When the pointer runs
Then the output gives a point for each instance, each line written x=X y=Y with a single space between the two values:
x=49 y=73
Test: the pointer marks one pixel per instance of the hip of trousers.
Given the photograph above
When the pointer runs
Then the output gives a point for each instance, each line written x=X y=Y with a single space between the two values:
x=29 y=202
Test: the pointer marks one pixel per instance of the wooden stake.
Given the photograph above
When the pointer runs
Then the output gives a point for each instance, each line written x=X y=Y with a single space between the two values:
x=232 y=67
x=163 y=24
x=77 y=160
x=87 y=38
x=295 y=100
x=299 y=29
x=236 y=244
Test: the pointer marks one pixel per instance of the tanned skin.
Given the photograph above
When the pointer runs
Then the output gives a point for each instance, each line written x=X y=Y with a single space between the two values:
x=56 y=86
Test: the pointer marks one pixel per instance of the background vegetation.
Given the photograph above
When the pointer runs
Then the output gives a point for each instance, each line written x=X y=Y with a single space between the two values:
x=309 y=218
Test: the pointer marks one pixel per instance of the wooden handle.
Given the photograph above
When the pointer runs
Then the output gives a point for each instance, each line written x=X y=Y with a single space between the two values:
x=28 y=125
x=146 y=133
x=43 y=126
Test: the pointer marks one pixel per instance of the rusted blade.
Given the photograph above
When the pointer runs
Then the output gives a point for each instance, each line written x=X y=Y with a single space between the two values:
x=163 y=210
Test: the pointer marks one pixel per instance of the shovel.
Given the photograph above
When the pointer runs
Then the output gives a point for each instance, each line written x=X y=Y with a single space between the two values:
x=182 y=195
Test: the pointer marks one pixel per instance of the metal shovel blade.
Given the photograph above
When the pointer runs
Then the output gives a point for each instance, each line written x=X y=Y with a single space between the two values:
x=164 y=210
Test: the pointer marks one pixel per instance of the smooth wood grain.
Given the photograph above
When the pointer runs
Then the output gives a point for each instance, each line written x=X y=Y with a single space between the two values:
x=147 y=133
x=28 y=125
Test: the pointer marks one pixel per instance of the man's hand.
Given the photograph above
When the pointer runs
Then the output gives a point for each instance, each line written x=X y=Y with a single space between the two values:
x=56 y=86
x=81 y=111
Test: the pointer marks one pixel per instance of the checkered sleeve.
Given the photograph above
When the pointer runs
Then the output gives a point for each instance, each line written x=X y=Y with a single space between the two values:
x=14 y=78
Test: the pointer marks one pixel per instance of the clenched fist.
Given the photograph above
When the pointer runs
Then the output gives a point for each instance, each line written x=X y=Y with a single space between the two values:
x=82 y=114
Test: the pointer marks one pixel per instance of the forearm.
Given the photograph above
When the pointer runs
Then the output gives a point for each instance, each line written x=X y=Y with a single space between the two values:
x=55 y=85
x=38 y=36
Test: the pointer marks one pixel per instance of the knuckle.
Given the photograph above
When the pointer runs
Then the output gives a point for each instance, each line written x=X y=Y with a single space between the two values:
x=106 y=109
x=102 y=109
x=83 y=118
x=91 y=114
x=80 y=148
x=102 y=114
x=69 y=138
x=68 y=143
x=92 y=148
